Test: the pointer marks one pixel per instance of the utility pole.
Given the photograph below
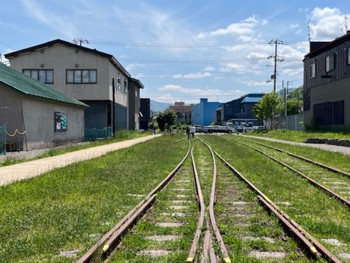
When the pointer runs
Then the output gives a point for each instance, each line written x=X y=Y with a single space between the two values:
x=113 y=107
x=276 y=59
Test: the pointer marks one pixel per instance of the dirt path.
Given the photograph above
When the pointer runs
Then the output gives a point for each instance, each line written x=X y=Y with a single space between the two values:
x=17 y=172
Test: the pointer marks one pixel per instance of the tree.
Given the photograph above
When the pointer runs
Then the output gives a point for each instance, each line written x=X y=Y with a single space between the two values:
x=265 y=109
x=166 y=119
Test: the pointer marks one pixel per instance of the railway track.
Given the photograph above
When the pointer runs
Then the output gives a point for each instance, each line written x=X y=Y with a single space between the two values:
x=321 y=214
x=184 y=217
x=333 y=181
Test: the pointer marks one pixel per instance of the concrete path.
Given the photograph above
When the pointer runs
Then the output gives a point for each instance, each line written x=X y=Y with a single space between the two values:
x=12 y=173
x=326 y=147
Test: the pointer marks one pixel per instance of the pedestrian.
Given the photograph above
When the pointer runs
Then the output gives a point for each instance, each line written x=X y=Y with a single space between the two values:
x=192 y=130
x=188 y=132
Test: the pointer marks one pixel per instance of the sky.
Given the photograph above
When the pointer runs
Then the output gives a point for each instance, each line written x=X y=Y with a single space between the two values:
x=187 y=49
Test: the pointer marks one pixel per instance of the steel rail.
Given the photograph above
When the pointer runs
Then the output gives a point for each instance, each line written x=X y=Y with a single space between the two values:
x=330 y=168
x=310 y=180
x=214 y=225
x=314 y=243
x=115 y=237
x=302 y=234
x=194 y=246
x=208 y=249
x=87 y=257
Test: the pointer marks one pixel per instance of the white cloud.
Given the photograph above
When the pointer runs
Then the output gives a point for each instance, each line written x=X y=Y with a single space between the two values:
x=198 y=75
x=326 y=23
x=243 y=29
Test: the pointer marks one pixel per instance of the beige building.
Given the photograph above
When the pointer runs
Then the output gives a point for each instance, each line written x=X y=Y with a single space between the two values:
x=183 y=111
x=91 y=76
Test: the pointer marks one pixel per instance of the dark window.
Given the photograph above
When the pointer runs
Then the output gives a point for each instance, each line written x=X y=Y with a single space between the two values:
x=42 y=75
x=78 y=76
x=338 y=112
x=329 y=113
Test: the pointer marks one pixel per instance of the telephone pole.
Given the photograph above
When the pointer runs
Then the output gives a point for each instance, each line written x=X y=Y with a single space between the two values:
x=276 y=59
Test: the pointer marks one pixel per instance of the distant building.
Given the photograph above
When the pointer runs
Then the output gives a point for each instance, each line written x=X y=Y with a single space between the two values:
x=326 y=84
x=36 y=115
x=145 y=113
x=134 y=103
x=183 y=112
x=204 y=112
x=239 y=109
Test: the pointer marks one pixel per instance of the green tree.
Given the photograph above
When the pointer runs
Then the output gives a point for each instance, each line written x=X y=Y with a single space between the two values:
x=166 y=119
x=265 y=109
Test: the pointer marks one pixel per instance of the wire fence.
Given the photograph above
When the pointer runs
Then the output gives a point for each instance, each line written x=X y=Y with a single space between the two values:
x=94 y=134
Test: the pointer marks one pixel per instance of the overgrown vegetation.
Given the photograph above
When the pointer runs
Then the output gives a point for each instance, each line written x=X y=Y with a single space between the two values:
x=119 y=136
x=299 y=136
x=69 y=209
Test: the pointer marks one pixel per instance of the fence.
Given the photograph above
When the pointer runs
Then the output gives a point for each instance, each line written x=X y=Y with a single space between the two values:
x=292 y=122
x=3 y=139
x=94 y=134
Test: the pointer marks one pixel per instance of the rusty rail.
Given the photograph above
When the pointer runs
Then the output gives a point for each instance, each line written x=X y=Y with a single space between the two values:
x=311 y=181
x=329 y=168
x=194 y=246
x=134 y=213
x=214 y=226
x=312 y=242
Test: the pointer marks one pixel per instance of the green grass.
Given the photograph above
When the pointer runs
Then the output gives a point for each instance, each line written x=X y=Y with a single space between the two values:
x=299 y=136
x=119 y=136
x=70 y=208
x=319 y=214
x=133 y=243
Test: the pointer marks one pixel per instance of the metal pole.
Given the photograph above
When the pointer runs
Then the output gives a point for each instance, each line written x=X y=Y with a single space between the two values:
x=113 y=107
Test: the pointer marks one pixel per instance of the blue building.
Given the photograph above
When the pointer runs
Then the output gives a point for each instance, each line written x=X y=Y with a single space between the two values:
x=204 y=112
x=239 y=109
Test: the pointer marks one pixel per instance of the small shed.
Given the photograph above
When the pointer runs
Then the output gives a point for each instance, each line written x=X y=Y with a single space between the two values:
x=36 y=115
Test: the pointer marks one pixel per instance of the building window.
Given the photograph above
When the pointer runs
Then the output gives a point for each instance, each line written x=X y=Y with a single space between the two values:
x=136 y=93
x=312 y=70
x=125 y=87
x=60 y=121
x=348 y=55
x=81 y=76
x=42 y=75
x=330 y=63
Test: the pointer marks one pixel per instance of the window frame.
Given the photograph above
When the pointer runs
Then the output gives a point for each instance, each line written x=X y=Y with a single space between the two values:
x=312 y=70
x=35 y=74
x=329 y=63
x=76 y=76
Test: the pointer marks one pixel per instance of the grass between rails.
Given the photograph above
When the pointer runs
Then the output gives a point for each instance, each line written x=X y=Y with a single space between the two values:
x=319 y=214
x=136 y=242
x=299 y=136
x=70 y=208
x=119 y=136
x=334 y=159
x=260 y=225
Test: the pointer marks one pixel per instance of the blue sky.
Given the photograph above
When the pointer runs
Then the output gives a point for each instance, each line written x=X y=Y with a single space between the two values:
x=185 y=50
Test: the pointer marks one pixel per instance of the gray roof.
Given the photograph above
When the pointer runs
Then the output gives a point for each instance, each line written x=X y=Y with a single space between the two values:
x=28 y=86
